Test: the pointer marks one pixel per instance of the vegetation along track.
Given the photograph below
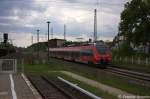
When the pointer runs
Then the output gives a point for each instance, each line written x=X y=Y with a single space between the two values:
x=138 y=76
x=117 y=70
x=52 y=88
x=134 y=76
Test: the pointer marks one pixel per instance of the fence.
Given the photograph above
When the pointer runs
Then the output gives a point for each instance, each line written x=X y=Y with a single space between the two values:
x=132 y=60
x=11 y=66
x=8 y=65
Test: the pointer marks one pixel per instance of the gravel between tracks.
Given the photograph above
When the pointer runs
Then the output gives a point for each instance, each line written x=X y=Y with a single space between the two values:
x=46 y=90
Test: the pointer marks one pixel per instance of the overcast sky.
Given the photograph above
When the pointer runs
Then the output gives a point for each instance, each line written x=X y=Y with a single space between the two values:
x=21 y=18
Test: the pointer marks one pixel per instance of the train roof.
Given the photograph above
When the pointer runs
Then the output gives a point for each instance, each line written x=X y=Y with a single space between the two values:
x=76 y=48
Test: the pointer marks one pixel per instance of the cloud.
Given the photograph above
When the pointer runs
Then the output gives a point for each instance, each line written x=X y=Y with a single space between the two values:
x=23 y=18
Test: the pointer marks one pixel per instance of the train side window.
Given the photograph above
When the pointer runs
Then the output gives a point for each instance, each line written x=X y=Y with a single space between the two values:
x=72 y=54
x=76 y=54
x=82 y=53
x=87 y=52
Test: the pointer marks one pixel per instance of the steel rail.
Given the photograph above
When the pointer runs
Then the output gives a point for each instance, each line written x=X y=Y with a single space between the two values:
x=144 y=78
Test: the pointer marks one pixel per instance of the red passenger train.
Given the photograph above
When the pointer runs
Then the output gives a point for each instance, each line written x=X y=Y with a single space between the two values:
x=91 y=53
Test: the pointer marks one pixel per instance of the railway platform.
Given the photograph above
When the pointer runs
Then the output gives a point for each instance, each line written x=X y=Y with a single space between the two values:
x=14 y=86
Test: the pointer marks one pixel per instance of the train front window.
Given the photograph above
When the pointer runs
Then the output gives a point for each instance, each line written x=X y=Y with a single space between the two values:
x=102 y=49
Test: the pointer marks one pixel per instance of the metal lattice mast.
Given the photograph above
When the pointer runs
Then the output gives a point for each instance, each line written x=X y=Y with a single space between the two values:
x=95 y=25
x=64 y=32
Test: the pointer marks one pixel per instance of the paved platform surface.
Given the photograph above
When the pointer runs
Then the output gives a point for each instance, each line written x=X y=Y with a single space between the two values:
x=20 y=87
x=5 y=89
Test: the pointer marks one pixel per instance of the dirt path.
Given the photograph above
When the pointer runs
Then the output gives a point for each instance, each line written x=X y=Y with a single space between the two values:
x=99 y=85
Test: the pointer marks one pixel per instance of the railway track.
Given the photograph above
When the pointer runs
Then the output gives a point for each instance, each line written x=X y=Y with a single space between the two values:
x=138 y=76
x=55 y=89
x=133 y=76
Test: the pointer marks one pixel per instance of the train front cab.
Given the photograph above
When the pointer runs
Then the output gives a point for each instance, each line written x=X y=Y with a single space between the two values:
x=102 y=54
x=90 y=55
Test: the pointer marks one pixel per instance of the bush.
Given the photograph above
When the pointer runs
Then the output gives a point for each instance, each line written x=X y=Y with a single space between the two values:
x=124 y=50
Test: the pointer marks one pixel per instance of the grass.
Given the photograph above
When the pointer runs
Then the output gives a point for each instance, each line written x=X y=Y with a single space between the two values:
x=92 y=89
x=137 y=67
x=133 y=66
x=91 y=73
x=50 y=72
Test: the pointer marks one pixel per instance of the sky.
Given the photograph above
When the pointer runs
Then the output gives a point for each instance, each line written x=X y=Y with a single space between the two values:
x=21 y=18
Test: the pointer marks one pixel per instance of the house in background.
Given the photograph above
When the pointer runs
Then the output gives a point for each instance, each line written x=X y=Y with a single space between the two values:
x=120 y=39
x=56 y=42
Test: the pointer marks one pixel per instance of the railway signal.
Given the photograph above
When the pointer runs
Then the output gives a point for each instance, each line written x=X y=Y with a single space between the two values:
x=5 y=38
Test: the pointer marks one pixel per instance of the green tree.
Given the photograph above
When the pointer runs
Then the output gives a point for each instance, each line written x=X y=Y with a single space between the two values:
x=125 y=50
x=135 y=22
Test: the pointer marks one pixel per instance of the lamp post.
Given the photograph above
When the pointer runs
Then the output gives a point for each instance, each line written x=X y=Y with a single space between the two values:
x=48 y=22
x=38 y=43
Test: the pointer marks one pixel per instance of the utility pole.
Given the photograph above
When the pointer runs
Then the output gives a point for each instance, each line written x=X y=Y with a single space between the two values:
x=32 y=40
x=48 y=22
x=64 y=32
x=32 y=43
x=95 y=25
x=45 y=37
x=51 y=32
x=38 y=43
